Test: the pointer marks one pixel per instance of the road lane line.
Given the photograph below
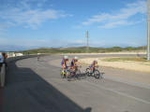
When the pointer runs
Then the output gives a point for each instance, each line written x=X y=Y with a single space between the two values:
x=132 y=83
x=120 y=93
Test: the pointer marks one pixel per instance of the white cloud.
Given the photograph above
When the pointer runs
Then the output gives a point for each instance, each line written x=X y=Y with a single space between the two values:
x=27 y=15
x=119 y=18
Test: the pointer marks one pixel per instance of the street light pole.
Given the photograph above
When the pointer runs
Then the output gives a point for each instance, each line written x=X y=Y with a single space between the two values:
x=148 y=28
x=87 y=36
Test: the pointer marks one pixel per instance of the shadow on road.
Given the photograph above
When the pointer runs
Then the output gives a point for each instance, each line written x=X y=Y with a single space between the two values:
x=25 y=91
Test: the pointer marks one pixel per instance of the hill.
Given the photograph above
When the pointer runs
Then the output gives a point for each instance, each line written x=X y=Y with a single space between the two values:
x=83 y=50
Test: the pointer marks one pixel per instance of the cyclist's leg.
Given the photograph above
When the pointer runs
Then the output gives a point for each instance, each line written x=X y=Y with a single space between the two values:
x=72 y=72
x=65 y=72
x=93 y=69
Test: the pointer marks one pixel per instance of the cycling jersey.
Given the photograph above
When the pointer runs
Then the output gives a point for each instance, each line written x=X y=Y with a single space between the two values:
x=92 y=65
x=72 y=63
x=63 y=62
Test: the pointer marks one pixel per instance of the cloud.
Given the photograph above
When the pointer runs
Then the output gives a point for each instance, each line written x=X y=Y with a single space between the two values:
x=21 y=44
x=26 y=43
x=28 y=13
x=120 y=18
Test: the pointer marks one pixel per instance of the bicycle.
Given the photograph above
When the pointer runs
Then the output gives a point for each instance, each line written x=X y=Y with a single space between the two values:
x=64 y=73
x=74 y=73
x=96 y=73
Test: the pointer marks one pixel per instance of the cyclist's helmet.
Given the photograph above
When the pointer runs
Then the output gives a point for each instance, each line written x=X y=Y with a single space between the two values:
x=66 y=57
x=95 y=61
x=75 y=58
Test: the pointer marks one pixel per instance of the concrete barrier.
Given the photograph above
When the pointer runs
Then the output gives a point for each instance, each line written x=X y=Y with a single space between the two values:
x=12 y=59
x=3 y=68
x=19 y=58
x=24 y=57
x=2 y=75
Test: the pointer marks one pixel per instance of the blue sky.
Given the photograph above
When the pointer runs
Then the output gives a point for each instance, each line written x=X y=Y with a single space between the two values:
x=27 y=24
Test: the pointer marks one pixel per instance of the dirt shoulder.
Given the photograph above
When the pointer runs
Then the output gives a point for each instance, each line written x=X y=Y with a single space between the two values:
x=127 y=65
x=128 y=71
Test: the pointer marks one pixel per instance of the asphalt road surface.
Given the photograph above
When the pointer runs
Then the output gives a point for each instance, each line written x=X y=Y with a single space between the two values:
x=36 y=86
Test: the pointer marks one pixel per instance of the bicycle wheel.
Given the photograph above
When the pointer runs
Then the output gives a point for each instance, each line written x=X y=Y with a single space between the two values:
x=78 y=74
x=87 y=72
x=70 y=75
x=101 y=75
x=96 y=74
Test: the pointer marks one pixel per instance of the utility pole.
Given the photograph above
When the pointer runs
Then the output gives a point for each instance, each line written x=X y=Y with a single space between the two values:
x=148 y=28
x=87 y=36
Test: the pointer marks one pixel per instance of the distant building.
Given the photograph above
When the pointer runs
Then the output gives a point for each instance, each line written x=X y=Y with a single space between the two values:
x=11 y=54
x=19 y=54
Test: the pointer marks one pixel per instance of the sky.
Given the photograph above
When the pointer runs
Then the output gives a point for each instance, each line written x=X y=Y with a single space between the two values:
x=29 y=24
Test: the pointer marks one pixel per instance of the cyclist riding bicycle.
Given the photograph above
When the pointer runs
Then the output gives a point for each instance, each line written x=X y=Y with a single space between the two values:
x=93 y=66
x=74 y=64
x=64 y=65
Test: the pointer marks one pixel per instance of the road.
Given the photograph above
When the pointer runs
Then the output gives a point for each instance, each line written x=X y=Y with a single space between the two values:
x=36 y=86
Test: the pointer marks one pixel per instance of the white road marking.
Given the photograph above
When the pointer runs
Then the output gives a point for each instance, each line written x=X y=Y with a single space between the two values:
x=132 y=83
x=120 y=93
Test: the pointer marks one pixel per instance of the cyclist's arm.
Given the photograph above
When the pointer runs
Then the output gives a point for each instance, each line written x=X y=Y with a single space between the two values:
x=96 y=65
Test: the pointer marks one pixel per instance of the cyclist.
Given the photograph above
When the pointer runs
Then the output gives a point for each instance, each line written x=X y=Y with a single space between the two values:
x=74 y=64
x=4 y=58
x=64 y=65
x=1 y=60
x=93 y=66
x=38 y=56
